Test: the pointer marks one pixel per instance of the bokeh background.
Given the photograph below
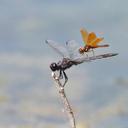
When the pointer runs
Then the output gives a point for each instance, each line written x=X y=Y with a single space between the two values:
x=98 y=91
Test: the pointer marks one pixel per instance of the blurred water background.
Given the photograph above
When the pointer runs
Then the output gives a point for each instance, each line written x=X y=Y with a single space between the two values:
x=98 y=91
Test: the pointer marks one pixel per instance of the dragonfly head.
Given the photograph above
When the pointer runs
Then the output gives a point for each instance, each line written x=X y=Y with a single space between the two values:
x=54 y=67
x=81 y=50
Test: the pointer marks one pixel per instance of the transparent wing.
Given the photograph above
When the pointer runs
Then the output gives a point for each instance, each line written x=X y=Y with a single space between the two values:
x=58 y=48
x=88 y=59
x=73 y=49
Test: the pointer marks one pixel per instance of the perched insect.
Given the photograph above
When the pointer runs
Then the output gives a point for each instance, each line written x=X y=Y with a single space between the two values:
x=71 y=57
x=90 y=41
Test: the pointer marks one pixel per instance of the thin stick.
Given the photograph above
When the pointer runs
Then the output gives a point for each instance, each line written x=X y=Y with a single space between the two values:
x=65 y=101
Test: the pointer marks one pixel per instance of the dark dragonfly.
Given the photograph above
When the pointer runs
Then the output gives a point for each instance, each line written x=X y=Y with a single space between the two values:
x=71 y=57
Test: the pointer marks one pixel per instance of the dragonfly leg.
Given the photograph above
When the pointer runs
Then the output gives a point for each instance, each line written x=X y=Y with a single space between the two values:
x=86 y=55
x=66 y=78
x=93 y=52
x=60 y=75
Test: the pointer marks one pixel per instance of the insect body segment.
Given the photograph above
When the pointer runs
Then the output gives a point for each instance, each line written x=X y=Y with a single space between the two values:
x=62 y=66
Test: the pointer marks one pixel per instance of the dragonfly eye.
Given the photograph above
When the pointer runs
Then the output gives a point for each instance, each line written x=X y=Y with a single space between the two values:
x=81 y=50
x=53 y=66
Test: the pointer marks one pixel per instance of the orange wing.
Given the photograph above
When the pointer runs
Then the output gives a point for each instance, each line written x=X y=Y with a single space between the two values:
x=84 y=35
x=96 y=41
x=91 y=38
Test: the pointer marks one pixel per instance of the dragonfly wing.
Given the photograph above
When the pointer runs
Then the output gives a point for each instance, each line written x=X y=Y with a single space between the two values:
x=58 y=48
x=96 y=41
x=91 y=38
x=88 y=59
x=73 y=48
x=84 y=35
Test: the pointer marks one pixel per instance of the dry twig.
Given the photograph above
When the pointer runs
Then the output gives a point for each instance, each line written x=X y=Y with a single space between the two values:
x=65 y=101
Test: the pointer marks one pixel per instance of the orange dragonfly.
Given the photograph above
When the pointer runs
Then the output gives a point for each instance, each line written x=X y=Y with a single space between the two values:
x=90 y=41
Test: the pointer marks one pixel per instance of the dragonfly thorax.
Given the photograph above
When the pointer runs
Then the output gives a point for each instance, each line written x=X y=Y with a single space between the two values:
x=86 y=48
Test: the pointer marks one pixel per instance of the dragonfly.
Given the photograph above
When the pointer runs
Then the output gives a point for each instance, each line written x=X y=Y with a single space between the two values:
x=70 y=56
x=91 y=41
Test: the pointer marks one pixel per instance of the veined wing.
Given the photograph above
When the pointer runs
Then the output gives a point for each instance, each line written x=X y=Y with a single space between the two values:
x=96 y=41
x=91 y=38
x=84 y=35
x=73 y=47
x=58 y=48
x=88 y=59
